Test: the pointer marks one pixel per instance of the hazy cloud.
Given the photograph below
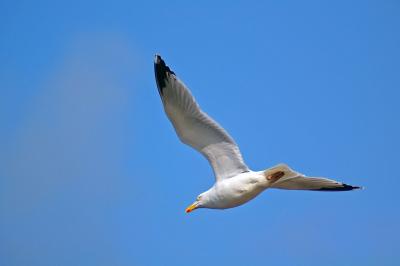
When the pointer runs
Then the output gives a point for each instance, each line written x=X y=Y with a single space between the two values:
x=65 y=162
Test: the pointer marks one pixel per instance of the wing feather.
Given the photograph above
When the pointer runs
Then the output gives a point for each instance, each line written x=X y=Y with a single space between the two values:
x=194 y=127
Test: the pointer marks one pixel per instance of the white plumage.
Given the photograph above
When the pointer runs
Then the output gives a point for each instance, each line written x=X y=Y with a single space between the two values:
x=235 y=182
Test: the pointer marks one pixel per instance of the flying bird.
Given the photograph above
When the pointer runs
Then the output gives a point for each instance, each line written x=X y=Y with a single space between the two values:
x=235 y=184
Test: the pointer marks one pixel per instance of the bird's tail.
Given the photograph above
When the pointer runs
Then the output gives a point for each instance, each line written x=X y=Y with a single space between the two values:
x=279 y=172
x=283 y=177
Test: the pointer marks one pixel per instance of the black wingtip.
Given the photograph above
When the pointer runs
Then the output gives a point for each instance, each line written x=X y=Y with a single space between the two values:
x=344 y=187
x=161 y=70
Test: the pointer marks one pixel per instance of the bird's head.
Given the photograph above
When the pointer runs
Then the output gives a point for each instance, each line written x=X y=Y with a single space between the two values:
x=201 y=201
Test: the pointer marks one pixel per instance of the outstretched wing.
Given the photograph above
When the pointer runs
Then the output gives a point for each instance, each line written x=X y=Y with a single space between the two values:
x=194 y=127
x=293 y=180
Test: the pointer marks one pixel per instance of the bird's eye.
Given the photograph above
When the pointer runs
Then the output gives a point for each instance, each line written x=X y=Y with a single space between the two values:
x=199 y=197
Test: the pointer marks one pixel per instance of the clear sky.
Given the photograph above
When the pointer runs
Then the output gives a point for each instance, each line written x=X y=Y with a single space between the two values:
x=92 y=173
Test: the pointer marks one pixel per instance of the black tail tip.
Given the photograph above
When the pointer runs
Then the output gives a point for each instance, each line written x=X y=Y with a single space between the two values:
x=352 y=187
x=344 y=187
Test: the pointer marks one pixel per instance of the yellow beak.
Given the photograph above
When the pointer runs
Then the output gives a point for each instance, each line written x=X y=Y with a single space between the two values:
x=192 y=207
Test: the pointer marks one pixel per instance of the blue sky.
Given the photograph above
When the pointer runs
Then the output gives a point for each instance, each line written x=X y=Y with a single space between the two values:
x=91 y=172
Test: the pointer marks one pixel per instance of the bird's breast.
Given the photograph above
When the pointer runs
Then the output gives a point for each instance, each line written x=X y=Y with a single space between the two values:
x=237 y=191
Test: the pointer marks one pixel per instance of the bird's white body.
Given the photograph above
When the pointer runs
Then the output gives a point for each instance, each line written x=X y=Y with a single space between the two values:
x=235 y=183
x=235 y=191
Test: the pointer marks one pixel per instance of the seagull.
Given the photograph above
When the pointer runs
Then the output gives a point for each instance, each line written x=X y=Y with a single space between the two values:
x=235 y=184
